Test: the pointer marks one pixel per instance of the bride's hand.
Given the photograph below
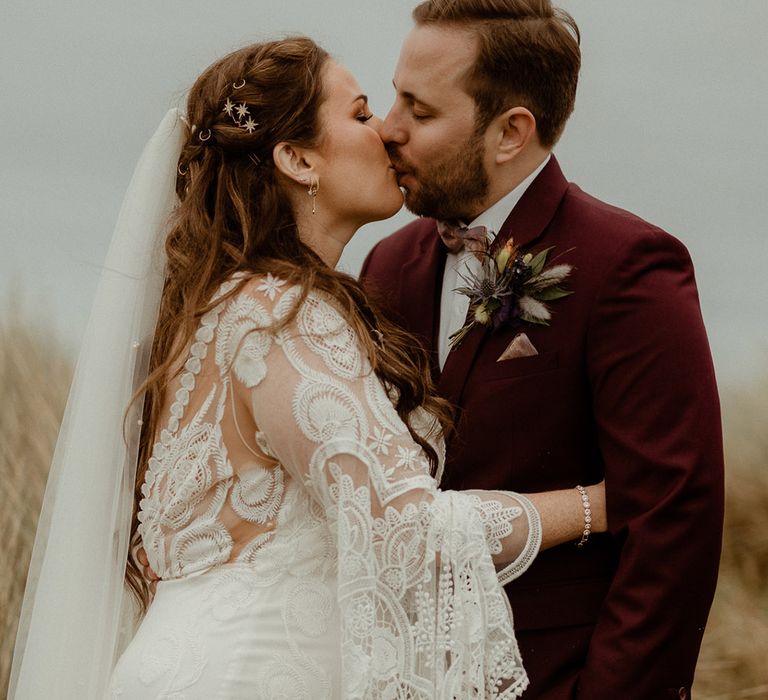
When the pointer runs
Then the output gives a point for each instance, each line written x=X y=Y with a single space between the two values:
x=147 y=570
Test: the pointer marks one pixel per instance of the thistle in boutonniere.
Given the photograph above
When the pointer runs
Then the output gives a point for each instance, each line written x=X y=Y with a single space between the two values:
x=512 y=287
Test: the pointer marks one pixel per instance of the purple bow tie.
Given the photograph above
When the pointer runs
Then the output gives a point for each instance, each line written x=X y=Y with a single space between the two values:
x=457 y=237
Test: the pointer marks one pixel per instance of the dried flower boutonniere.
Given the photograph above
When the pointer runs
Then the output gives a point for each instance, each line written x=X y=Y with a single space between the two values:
x=511 y=287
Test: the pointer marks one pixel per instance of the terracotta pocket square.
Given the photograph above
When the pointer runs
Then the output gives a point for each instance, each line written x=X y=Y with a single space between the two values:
x=521 y=346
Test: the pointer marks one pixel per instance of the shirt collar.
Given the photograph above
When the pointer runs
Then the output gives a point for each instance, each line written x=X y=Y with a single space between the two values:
x=494 y=217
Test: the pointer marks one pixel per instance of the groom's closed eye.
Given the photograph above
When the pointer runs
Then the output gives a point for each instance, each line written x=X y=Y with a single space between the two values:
x=418 y=108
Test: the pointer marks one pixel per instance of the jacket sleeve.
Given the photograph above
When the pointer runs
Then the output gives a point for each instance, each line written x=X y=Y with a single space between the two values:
x=657 y=412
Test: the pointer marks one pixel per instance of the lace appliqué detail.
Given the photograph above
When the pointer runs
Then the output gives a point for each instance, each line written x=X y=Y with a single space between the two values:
x=497 y=520
x=532 y=546
x=327 y=411
x=328 y=334
x=257 y=494
x=271 y=286
x=242 y=341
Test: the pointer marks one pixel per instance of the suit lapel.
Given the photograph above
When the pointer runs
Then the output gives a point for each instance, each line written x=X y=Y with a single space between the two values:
x=421 y=281
x=526 y=222
x=530 y=217
x=457 y=365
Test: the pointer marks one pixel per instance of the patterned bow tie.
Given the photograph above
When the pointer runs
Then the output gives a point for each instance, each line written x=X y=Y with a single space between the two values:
x=457 y=237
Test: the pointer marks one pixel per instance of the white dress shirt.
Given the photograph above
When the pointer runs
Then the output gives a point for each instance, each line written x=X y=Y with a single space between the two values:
x=454 y=306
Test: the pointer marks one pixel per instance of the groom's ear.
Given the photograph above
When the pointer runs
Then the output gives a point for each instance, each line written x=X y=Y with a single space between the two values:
x=294 y=162
x=513 y=131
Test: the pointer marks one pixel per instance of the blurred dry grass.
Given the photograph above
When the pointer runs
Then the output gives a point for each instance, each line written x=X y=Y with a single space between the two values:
x=733 y=664
x=35 y=374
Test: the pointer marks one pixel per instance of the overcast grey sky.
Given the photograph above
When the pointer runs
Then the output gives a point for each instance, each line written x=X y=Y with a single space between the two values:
x=670 y=123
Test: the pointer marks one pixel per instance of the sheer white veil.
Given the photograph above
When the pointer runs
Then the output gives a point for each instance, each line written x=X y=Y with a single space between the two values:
x=77 y=613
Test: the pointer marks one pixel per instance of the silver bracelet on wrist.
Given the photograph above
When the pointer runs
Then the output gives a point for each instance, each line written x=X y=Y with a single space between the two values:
x=587 y=516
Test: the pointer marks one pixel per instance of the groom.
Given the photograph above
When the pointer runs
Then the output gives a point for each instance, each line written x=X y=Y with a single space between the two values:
x=619 y=384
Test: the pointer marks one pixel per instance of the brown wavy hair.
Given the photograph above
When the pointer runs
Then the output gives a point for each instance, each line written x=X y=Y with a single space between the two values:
x=529 y=56
x=234 y=217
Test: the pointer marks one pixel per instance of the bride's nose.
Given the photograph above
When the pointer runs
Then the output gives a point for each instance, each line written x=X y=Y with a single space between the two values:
x=376 y=124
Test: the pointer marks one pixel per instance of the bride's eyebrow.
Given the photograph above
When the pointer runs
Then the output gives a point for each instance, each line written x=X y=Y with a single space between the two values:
x=364 y=98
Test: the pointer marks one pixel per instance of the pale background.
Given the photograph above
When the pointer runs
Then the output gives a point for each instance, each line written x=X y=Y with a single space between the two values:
x=670 y=123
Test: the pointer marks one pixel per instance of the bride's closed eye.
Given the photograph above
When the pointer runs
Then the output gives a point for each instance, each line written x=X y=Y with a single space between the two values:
x=363 y=118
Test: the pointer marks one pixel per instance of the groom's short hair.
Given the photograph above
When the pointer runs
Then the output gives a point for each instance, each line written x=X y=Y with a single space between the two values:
x=529 y=56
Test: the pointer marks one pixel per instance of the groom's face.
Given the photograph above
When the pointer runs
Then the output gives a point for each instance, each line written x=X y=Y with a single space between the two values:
x=430 y=132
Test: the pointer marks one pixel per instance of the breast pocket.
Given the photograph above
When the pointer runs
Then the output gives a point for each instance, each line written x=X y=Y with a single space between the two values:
x=519 y=366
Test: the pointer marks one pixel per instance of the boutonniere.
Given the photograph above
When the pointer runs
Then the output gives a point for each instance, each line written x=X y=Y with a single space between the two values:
x=511 y=287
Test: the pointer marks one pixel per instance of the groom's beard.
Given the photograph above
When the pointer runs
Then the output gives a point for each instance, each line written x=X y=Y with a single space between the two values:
x=450 y=189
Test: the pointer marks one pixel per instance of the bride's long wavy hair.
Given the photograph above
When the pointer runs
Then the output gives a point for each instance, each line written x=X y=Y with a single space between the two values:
x=234 y=216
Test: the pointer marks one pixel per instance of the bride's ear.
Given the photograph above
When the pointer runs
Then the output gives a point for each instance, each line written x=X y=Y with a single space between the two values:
x=294 y=162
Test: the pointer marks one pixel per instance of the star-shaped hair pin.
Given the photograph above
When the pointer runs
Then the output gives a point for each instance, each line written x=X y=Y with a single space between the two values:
x=239 y=113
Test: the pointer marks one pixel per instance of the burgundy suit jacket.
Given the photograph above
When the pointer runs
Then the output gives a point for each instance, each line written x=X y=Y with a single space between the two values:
x=622 y=387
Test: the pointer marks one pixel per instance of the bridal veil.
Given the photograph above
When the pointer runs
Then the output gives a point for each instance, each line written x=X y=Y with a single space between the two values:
x=76 y=608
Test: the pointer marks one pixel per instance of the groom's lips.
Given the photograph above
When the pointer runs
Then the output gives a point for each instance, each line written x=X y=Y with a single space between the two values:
x=397 y=164
x=401 y=173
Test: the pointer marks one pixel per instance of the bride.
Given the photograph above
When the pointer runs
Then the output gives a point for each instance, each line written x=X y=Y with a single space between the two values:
x=289 y=446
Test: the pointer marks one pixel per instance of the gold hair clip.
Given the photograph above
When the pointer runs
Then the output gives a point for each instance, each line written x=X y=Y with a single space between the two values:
x=239 y=112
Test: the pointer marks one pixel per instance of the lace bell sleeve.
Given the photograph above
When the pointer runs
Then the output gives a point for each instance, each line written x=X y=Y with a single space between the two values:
x=423 y=614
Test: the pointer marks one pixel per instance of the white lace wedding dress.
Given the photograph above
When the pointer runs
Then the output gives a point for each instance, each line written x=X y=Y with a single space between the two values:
x=304 y=548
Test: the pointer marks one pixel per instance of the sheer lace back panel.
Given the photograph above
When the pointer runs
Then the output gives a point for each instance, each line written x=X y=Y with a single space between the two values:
x=213 y=491
x=287 y=441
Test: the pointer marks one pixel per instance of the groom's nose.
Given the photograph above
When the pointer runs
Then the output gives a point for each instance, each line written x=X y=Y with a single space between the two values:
x=392 y=128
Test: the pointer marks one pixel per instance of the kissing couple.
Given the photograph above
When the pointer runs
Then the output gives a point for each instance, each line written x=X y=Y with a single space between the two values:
x=275 y=481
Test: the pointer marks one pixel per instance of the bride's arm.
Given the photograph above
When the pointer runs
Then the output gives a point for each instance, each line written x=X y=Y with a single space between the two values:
x=563 y=513
x=416 y=582
x=319 y=371
x=420 y=606
x=552 y=518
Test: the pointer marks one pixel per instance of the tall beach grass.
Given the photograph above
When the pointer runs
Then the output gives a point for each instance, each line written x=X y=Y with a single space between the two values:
x=733 y=664
x=35 y=372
